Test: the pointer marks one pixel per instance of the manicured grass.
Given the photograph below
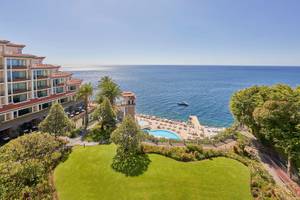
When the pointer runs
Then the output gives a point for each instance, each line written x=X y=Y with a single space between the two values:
x=87 y=175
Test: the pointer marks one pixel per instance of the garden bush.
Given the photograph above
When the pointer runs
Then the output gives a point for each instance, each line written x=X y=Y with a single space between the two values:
x=185 y=154
x=97 y=134
x=75 y=133
x=25 y=165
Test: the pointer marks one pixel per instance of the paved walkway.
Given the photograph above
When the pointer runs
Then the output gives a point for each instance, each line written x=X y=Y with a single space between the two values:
x=79 y=142
x=274 y=166
x=278 y=172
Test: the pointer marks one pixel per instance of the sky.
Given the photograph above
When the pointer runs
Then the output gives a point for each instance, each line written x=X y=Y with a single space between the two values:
x=197 y=32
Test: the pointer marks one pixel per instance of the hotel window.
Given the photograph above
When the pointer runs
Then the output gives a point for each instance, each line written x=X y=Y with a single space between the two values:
x=24 y=111
x=19 y=98
x=15 y=114
x=16 y=63
x=40 y=74
x=17 y=87
x=56 y=82
x=72 y=88
x=59 y=90
x=42 y=94
x=45 y=105
x=2 y=118
x=40 y=84
x=16 y=76
x=64 y=100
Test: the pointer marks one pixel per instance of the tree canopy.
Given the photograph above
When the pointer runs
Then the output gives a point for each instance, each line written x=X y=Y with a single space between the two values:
x=105 y=114
x=57 y=122
x=129 y=158
x=108 y=88
x=25 y=164
x=84 y=93
x=272 y=114
x=128 y=135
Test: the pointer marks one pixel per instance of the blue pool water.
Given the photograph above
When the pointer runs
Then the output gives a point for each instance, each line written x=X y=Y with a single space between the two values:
x=165 y=134
x=207 y=89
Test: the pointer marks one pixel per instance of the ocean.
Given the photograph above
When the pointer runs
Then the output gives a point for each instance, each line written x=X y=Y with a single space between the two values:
x=207 y=89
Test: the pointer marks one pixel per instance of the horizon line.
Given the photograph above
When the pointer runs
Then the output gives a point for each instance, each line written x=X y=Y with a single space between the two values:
x=182 y=65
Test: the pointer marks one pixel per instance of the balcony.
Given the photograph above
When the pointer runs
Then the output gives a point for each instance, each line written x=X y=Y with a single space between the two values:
x=1 y=67
x=41 y=76
x=42 y=87
x=18 y=91
x=17 y=67
x=60 y=84
x=16 y=79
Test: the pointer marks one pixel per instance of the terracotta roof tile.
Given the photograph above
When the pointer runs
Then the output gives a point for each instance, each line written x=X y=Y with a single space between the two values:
x=60 y=74
x=74 y=81
x=21 y=55
x=15 y=45
x=128 y=94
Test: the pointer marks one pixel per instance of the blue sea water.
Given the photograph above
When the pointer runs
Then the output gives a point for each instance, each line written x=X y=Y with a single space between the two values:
x=207 y=89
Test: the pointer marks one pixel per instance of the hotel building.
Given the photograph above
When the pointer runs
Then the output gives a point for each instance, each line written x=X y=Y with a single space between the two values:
x=28 y=88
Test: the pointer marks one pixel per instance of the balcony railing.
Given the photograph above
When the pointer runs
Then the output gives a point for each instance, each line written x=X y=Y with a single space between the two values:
x=18 y=91
x=16 y=79
x=41 y=87
x=17 y=67
x=41 y=76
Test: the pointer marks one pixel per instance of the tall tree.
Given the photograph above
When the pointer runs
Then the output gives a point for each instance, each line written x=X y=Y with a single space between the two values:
x=127 y=136
x=105 y=115
x=108 y=88
x=129 y=158
x=243 y=104
x=84 y=93
x=57 y=122
x=280 y=122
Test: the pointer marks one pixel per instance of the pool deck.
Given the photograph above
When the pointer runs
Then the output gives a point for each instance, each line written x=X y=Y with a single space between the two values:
x=192 y=129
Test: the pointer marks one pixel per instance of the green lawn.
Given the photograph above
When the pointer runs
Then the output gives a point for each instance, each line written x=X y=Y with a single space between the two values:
x=87 y=175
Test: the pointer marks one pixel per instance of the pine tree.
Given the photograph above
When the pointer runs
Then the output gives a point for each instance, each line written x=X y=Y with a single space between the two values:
x=57 y=122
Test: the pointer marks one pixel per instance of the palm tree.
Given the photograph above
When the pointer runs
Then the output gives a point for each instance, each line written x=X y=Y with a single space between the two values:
x=84 y=93
x=108 y=88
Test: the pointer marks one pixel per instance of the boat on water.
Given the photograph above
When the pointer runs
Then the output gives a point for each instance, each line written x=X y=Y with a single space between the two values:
x=183 y=103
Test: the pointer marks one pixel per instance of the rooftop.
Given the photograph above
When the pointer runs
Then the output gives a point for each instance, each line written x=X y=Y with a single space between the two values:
x=22 y=55
x=8 y=43
x=128 y=94
x=74 y=81
x=60 y=74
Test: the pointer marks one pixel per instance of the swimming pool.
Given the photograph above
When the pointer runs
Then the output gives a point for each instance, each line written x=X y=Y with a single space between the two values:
x=164 y=133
